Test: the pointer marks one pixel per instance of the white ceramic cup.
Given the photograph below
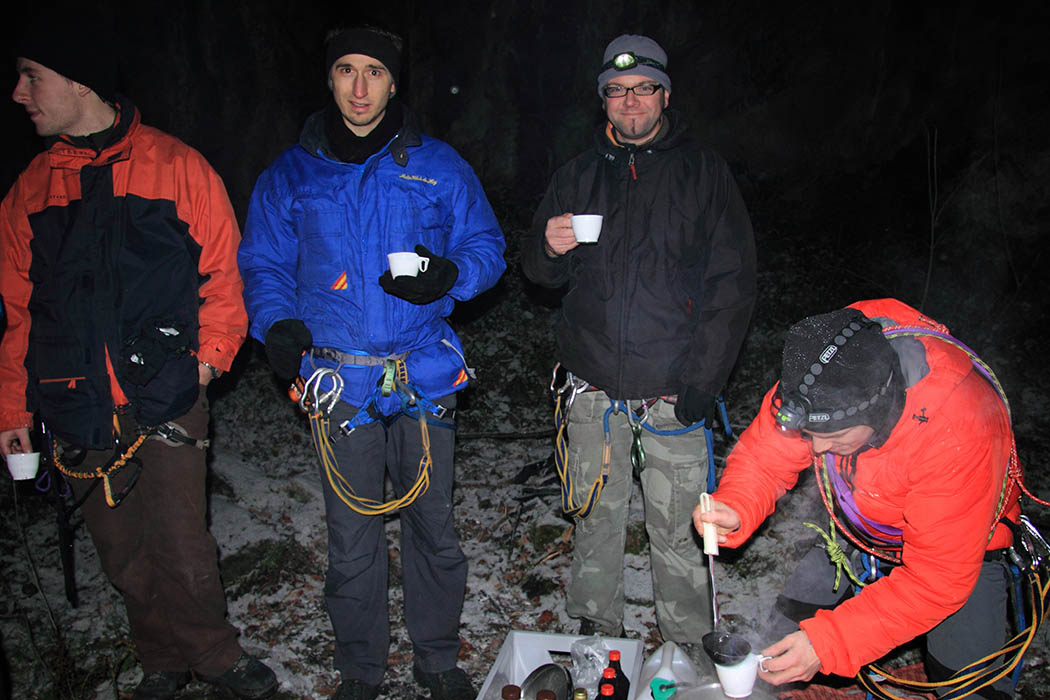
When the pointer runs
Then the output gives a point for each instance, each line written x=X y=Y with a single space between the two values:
x=407 y=264
x=23 y=465
x=587 y=227
x=738 y=680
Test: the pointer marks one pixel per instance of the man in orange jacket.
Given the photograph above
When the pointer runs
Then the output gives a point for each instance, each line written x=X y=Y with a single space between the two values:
x=123 y=300
x=916 y=446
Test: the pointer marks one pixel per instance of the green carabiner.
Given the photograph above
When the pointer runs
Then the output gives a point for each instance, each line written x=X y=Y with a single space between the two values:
x=637 y=450
x=388 y=377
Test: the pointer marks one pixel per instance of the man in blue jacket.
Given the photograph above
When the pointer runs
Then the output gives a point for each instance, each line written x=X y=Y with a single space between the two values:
x=361 y=183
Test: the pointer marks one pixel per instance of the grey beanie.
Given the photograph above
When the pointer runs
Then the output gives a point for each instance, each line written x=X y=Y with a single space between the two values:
x=650 y=60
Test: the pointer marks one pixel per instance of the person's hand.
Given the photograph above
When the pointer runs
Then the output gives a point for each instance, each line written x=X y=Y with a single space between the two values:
x=17 y=440
x=694 y=405
x=725 y=519
x=426 y=287
x=558 y=239
x=285 y=342
x=205 y=374
x=793 y=659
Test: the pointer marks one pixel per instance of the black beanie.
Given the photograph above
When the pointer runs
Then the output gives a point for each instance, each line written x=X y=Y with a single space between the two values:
x=78 y=46
x=365 y=41
x=841 y=371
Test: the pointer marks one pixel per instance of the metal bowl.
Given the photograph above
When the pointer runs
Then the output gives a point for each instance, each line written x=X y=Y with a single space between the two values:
x=726 y=648
x=547 y=677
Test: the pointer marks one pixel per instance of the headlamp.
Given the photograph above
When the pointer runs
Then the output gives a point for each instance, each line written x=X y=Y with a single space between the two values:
x=628 y=59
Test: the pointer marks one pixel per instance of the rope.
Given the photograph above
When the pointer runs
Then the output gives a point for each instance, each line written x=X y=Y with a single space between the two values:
x=838 y=557
x=566 y=394
x=320 y=426
x=981 y=673
x=104 y=471
x=561 y=458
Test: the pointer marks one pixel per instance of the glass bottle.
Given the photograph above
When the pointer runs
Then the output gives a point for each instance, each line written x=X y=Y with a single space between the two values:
x=621 y=683
x=510 y=692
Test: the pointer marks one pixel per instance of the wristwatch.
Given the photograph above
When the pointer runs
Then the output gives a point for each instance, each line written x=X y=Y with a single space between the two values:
x=215 y=371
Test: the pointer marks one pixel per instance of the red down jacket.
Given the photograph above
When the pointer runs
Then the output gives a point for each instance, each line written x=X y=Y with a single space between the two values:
x=938 y=477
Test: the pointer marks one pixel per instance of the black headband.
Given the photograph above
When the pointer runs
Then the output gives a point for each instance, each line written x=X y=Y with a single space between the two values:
x=367 y=43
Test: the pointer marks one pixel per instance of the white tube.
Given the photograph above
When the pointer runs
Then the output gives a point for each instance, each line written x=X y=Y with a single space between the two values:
x=710 y=531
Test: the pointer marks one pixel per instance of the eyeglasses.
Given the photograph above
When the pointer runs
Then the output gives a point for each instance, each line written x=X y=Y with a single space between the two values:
x=643 y=90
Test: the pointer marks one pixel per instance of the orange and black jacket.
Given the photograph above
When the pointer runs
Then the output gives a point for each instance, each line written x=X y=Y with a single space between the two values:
x=118 y=274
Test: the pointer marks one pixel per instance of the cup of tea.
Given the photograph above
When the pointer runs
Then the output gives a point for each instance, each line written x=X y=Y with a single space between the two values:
x=738 y=680
x=407 y=263
x=587 y=227
x=23 y=465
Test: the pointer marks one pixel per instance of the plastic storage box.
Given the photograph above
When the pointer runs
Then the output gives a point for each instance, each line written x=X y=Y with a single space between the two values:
x=524 y=651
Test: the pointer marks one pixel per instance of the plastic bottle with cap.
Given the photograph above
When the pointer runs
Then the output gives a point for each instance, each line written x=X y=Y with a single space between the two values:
x=606 y=690
x=510 y=692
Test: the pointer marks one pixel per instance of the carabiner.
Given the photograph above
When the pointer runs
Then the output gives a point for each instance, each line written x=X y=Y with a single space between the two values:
x=637 y=449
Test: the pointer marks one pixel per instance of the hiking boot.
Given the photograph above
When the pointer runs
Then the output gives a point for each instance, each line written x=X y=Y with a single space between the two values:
x=160 y=685
x=452 y=684
x=354 y=689
x=248 y=678
x=589 y=627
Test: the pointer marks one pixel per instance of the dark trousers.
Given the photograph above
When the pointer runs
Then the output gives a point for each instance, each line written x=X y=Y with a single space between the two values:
x=976 y=630
x=156 y=549
x=434 y=569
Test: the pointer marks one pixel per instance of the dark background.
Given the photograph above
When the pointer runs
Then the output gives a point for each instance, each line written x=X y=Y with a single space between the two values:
x=884 y=148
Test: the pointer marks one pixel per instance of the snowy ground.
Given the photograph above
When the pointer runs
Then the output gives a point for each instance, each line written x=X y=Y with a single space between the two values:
x=267 y=516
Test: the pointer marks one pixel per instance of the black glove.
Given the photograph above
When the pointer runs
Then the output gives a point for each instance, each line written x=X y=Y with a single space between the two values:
x=694 y=405
x=427 y=286
x=285 y=342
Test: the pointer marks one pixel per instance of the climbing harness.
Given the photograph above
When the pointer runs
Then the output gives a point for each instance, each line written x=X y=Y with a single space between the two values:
x=565 y=395
x=169 y=433
x=319 y=394
x=1029 y=558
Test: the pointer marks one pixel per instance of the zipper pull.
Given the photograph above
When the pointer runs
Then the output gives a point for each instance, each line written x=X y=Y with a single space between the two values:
x=630 y=164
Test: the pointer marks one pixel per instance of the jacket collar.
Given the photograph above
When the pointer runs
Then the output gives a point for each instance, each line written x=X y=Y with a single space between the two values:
x=673 y=135
x=66 y=151
x=313 y=138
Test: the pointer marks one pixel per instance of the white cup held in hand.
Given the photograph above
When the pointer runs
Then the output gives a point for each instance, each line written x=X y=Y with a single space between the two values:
x=587 y=227
x=738 y=680
x=407 y=264
x=23 y=465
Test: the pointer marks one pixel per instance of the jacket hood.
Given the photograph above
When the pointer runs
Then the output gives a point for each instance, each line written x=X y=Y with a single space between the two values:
x=313 y=138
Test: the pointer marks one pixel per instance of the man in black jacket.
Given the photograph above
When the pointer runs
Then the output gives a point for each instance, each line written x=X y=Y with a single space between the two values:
x=650 y=326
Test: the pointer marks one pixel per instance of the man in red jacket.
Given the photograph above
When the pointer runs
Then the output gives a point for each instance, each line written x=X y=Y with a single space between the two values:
x=915 y=444
x=123 y=301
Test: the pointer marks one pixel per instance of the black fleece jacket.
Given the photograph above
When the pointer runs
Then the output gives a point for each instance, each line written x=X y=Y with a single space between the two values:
x=664 y=298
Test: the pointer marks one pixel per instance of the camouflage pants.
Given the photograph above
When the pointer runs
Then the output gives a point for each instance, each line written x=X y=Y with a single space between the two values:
x=674 y=475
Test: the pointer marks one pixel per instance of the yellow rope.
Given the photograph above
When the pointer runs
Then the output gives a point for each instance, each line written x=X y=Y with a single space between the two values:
x=837 y=556
x=568 y=500
x=1014 y=650
x=319 y=428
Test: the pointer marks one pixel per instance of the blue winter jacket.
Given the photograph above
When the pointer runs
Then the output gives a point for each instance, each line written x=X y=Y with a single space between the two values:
x=315 y=243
